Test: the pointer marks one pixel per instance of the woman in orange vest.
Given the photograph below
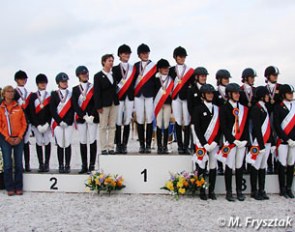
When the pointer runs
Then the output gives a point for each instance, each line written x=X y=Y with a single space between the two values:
x=12 y=128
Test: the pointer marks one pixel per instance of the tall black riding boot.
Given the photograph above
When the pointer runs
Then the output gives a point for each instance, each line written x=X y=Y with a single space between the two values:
x=27 y=157
x=212 y=181
x=239 y=183
x=68 y=154
x=228 y=183
x=93 y=154
x=126 y=133
x=83 y=152
x=270 y=169
x=290 y=175
x=220 y=168
x=203 y=195
x=165 y=143
x=39 y=150
x=60 y=157
x=118 y=139
x=140 y=132
x=261 y=178
x=178 y=130
x=187 y=132
x=149 y=135
x=159 y=140
x=47 y=157
x=282 y=180
x=253 y=178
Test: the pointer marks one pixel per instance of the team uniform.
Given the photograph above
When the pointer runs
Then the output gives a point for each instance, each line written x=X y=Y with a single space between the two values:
x=144 y=91
x=234 y=118
x=62 y=123
x=261 y=144
x=183 y=78
x=87 y=120
x=206 y=123
x=22 y=97
x=284 y=121
x=41 y=119
x=162 y=106
x=124 y=73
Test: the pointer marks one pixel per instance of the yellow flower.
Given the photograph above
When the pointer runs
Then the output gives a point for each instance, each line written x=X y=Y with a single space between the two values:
x=181 y=190
x=169 y=185
x=192 y=180
x=87 y=190
x=97 y=182
x=179 y=184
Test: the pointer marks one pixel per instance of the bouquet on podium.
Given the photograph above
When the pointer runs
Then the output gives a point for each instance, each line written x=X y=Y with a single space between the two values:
x=100 y=182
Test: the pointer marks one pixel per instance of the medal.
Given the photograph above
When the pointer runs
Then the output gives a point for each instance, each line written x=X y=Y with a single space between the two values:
x=140 y=77
x=179 y=81
x=84 y=92
x=249 y=104
x=41 y=106
x=272 y=101
x=164 y=91
x=40 y=100
x=124 y=74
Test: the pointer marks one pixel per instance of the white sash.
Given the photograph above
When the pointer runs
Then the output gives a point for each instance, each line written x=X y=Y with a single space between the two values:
x=124 y=81
x=288 y=117
x=145 y=71
x=177 y=80
x=161 y=91
x=241 y=116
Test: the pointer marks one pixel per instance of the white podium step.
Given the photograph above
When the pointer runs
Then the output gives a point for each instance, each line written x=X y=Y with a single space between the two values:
x=144 y=174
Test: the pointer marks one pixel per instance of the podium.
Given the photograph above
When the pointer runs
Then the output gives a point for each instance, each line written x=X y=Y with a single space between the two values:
x=143 y=174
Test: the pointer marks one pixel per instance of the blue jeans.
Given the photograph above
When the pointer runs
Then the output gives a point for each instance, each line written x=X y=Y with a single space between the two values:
x=16 y=183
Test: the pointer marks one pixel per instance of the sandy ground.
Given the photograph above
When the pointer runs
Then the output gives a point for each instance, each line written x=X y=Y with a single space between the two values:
x=91 y=212
x=123 y=212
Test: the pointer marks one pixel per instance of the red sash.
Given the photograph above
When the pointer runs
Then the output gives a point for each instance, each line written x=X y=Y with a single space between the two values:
x=27 y=101
x=63 y=112
x=243 y=122
x=45 y=103
x=182 y=82
x=145 y=78
x=161 y=98
x=287 y=126
x=86 y=101
x=127 y=84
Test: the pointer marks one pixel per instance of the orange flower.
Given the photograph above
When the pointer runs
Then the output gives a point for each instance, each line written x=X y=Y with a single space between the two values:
x=185 y=183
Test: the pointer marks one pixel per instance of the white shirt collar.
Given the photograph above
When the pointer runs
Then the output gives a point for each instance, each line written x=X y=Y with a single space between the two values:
x=84 y=85
x=109 y=76
x=234 y=104
x=288 y=104
x=209 y=105
x=124 y=65
x=199 y=85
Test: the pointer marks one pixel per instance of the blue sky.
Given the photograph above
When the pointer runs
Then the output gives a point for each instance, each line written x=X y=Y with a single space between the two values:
x=53 y=36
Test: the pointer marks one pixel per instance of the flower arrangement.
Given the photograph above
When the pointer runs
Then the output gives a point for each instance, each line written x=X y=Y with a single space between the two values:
x=183 y=183
x=99 y=181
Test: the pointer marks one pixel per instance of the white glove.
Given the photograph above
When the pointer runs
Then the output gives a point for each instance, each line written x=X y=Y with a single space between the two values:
x=207 y=147
x=40 y=129
x=273 y=149
x=262 y=151
x=45 y=127
x=291 y=143
x=243 y=144
x=63 y=125
x=90 y=119
x=237 y=143
x=213 y=145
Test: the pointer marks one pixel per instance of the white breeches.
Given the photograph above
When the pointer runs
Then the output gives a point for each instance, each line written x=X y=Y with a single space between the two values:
x=261 y=160
x=163 y=117
x=144 y=108
x=235 y=158
x=42 y=139
x=28 y=133
x=180 y=112
x=63 y=136
x=125 y=110
x=286 y=155
x=87 y=130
